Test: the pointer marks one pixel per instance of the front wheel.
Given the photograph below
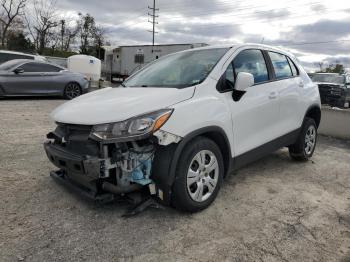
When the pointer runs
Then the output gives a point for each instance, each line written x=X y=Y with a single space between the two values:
x=199 y=175
x=304 y=147
x=72 y=90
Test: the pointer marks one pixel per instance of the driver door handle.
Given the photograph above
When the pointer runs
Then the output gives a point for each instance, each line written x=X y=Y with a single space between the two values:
x=301 y=84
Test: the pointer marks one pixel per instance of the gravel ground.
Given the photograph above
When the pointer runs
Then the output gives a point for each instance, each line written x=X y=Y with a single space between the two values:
x=272 y=210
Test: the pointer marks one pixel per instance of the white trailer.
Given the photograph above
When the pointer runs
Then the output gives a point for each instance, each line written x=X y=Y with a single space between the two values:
x=122 y=61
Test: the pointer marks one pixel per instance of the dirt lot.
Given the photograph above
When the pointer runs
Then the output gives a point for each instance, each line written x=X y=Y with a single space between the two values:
x=273 y=210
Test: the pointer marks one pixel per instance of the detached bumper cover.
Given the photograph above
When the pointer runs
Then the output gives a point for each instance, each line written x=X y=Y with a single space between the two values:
x=75 y=163
x=61 y=177
x=82 y=170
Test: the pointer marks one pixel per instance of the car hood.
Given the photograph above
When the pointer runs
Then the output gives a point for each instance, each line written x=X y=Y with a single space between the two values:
x=117 y=104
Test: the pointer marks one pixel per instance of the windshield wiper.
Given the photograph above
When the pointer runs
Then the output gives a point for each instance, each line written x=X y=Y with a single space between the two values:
x=122 y=84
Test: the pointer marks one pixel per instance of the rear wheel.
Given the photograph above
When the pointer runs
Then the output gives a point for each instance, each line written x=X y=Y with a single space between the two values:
x=304 y=148
x=199 y=175
x=72 y=90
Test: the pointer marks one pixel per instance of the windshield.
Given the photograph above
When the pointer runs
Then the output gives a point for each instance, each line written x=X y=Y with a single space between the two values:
x=10 y=64
x=178 y=70
x=329 y=78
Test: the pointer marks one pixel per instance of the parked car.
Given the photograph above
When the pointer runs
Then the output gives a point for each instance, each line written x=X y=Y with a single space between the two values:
x=6 y=55
x=182 y=123
x=334 y=89
x=22 y=77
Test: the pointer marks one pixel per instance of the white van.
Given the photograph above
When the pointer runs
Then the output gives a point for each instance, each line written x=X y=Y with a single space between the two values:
x=11 y=55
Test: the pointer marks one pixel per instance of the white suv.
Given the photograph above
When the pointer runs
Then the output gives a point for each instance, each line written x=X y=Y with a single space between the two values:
x=183 y=122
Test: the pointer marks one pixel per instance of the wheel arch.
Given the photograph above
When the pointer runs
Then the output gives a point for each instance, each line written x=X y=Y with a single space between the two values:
x=72 y=82
x=314 y=112
x=166 y=157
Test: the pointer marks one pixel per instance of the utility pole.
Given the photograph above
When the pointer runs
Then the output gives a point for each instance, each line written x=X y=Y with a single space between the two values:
x=153 y=20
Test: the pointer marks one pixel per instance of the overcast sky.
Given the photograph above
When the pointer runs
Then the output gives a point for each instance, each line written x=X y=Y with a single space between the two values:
x=303 y=27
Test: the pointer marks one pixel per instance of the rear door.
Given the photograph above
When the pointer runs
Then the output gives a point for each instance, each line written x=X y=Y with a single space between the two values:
x=290 y=85
x=255 y=114
x=53 y=80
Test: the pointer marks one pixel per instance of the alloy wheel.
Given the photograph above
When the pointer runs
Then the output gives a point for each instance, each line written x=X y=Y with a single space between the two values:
x=310 y=140
x=72 y=90
x=202 y=176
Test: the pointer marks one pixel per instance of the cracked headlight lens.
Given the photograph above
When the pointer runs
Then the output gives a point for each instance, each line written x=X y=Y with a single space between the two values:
x=135 y=127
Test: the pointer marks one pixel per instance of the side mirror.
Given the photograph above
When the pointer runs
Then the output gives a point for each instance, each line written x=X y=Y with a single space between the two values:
x=243 y=81
x=18 y=70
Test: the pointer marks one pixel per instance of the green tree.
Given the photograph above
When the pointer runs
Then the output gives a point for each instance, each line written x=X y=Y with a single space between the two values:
x=86 y=25
x=18 y=42
x=91 y=36
x=337 y=68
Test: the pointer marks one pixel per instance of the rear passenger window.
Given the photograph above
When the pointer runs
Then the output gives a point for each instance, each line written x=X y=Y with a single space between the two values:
x=293 y=67
x=280 y=65
x=39 y=67
x=252 y=61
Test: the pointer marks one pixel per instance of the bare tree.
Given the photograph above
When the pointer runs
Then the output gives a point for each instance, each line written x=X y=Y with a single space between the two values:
x=320 y=65
x=62 y=31
x=10 y=10
x=99 y=34
x=71 y=33
x=68 y=32
x=42 y=23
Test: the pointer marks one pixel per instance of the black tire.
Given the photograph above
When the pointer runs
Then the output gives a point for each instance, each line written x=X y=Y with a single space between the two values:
x=72 y=90
x=181 y=198
x=299 y=151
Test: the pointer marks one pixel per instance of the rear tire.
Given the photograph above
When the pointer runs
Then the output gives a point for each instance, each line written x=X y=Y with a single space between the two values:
x=305 y=145
x=72 y=90
x=199 y=175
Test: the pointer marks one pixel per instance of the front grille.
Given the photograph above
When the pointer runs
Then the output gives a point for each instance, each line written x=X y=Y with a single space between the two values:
x=76 y=139
x=75 y=130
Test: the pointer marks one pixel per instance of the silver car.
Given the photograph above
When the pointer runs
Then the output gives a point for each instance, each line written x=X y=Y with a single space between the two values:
x=23 y=77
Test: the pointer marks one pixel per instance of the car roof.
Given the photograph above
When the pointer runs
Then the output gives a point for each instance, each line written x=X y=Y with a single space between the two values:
x=22 y=61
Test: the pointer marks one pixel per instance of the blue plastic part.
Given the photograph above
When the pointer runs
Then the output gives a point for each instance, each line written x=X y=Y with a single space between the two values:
x=142 y=173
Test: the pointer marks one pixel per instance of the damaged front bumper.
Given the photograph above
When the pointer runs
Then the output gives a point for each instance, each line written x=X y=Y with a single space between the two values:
x=100 y=170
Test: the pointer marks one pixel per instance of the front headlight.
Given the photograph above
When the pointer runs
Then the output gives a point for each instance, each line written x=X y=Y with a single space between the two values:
x=135 y=127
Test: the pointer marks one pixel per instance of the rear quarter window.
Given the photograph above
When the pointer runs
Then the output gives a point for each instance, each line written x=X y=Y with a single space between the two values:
x=294 y=68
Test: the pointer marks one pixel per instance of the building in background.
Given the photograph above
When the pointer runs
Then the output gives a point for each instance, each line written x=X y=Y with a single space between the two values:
x=122 y=61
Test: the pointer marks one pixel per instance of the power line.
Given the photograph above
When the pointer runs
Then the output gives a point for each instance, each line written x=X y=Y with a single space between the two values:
x=269 y=19
x=314 y=43
x=226 y=25
x=262 y=20
x=240 y=14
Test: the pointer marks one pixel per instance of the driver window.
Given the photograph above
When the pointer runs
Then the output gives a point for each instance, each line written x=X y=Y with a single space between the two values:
x=252 y=61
